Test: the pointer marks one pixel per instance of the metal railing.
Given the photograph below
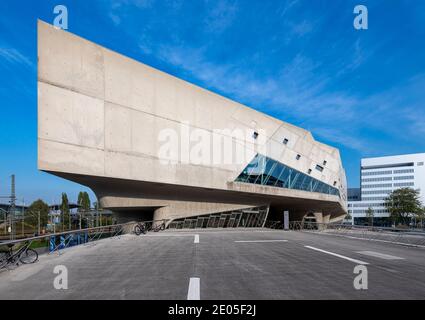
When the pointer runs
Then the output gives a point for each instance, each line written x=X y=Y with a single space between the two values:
x=411 y=237
x=61 y=240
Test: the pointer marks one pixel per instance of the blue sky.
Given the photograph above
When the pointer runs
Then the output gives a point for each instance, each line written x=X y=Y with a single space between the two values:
x=298 y=60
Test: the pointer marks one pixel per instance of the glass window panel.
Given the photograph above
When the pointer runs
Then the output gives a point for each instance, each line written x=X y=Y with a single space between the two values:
x=285 y=178
x=270 y=167
x=265 y=171
x=294 y=182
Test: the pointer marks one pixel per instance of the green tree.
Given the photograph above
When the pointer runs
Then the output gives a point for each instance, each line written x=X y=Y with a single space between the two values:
x=369 y=215
x=84 y=207
x=403 y=204
x=80 y=201
x=87 y=203
x=420 y=216
x=36 y=209
x=84 y=201
x=64 y=207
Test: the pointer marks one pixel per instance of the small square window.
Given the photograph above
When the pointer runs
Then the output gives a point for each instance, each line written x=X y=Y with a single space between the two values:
x=285 y=141
x=420 y=163
x=319 y=168
x=298 y=157
x=309 y=171
x=255 y=134
x=324 y=162
x=334 y=183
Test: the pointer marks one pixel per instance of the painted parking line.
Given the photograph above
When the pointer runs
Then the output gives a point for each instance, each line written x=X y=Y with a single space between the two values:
x=196 y=239
x=377 y=240
x=380 y=255
x=193 y=293
x=262 y=241
x=337 y=255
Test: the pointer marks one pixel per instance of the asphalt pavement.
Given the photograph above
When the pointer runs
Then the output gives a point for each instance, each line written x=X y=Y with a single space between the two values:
x=223 y=264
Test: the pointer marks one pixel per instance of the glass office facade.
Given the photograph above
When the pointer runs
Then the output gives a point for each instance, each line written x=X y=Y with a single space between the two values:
x=265 y=171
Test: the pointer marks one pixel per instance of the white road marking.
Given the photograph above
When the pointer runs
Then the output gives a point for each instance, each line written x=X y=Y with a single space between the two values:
x=163 y=235
x=337 y=255
x=193 y=292
x=262 y=241
x=196 y=240
x=378 y=240
x=380 y=255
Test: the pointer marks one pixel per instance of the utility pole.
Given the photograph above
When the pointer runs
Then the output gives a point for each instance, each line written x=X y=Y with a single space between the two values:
x=38 y=222
x=23 y=218
x=12 y=209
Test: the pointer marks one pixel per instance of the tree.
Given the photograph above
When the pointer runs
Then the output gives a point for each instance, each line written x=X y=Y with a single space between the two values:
x=84 y=201
x=420 y=217
x=84 y=207
x=402 y=204
x=80 y=201
x=369 y=215
x=87 y=203
x=64 y=207
x=38 y=207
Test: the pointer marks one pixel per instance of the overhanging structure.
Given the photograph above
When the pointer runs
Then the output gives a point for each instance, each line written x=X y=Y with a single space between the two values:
x=102 y=119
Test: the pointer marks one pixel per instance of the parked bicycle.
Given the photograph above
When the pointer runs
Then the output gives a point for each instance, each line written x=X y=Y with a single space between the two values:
x=140 y=228
x=24 y=255
x=143 y=227
x=158 y=227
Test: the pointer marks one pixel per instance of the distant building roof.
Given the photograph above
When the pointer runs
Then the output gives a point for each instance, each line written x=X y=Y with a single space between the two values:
x=58 y=206
x=6 y=206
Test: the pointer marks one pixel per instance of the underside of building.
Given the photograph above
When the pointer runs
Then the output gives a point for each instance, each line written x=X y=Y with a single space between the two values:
x=133 y=134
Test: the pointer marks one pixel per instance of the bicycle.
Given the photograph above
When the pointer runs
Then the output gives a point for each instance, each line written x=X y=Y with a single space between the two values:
x=159 y=227
x=140 y=228
x=24 y=255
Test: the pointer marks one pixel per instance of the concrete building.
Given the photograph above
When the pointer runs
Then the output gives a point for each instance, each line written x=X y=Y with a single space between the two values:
x=152 y=146
x=379 y=176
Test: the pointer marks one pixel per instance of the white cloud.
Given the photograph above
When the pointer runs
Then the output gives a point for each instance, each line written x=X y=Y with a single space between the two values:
x=115 y=18
x=302 y=28
x=286 y=7
x=220 y=15
x=118 y=8
x=300 y=92
x=12 y=55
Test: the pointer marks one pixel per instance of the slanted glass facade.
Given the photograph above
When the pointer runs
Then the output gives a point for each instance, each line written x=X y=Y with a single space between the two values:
x=244 y=218
x=265 y=171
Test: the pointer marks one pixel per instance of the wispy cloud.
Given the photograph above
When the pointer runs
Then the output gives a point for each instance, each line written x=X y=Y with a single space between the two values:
x=346 y=138
x=302 y=28
x=220 y=15
x=302 y=93
x=295 y=64
x=119 y=9
x=284 y=9
x=13 y=56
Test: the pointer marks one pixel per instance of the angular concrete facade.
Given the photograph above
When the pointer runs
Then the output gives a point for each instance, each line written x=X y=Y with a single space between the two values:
x=102 y=119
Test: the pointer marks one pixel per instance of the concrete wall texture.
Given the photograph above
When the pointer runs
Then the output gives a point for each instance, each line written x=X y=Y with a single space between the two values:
x=100 y=120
